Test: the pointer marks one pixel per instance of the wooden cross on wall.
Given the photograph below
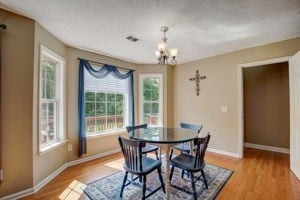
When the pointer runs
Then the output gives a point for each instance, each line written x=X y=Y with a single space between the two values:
x=197 y=79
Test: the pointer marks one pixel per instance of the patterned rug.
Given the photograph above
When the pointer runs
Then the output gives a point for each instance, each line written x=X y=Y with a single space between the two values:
x=109 y=187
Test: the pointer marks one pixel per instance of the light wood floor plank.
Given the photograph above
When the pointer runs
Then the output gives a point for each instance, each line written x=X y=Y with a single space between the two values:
x=261 y=175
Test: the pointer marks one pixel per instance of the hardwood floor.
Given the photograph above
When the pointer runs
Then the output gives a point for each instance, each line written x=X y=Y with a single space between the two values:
x=260 y=175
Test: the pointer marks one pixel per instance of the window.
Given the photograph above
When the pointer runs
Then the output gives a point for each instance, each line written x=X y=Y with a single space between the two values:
x=106 y=104
x=51 y=108
x=151 y=86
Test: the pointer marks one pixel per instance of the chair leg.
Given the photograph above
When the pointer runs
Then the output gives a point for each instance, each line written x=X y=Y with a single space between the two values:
x=171 y=174
x=144 y=187
x=203 y=175
x=124 y=182
x=171 y=154
x=161 y=179
x=157 y=158
x=193 y=186
x=182 y=173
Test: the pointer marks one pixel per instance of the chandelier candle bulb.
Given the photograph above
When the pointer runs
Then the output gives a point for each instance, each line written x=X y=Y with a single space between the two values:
x=162 y=46
x=173 y=52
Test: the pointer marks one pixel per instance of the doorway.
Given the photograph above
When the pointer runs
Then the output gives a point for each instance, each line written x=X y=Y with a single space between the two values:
x=241 y=116
x=266 y=107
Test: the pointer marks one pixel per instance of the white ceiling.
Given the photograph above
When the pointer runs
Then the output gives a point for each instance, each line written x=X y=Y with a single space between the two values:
x=199 y=28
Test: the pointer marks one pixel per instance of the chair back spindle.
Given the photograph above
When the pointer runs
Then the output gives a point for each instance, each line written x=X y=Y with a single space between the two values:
x=201 y=146
x=132 y=152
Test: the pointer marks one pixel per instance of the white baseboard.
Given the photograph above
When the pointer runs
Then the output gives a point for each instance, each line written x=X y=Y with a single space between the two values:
x=18 y=195
x=225 y=153
x=267 y=148
x=49 y=178
x=93 y=157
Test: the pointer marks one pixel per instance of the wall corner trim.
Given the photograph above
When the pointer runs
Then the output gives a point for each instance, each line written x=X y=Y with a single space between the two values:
x=267 y=148
x=49 y=178
x=225 y=153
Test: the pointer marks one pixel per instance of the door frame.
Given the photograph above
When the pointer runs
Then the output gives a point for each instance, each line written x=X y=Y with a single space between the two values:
x=241 y=96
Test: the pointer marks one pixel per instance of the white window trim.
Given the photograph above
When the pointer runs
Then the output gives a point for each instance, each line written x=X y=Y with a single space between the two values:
x=141 y=96
x=61 y=110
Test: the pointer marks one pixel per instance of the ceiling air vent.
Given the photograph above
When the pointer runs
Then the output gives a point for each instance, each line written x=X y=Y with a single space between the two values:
x=132 y=38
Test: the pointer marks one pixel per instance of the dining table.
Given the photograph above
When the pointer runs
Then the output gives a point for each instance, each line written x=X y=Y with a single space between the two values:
x=165 y=138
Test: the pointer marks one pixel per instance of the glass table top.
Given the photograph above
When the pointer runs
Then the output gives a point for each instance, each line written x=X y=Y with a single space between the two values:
x=163 y=134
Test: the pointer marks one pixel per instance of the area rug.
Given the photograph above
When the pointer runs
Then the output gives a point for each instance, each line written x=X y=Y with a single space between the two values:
x=109 y=187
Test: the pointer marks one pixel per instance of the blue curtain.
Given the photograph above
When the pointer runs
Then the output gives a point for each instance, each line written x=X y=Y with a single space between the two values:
x=99 y=73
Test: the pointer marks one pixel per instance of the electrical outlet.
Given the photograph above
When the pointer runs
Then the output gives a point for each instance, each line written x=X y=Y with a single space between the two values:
x=224 y=109
x=70 y=147
x=1 y=174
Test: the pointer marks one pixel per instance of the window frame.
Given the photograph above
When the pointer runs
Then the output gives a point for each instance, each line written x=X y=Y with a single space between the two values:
x=60 y=100
x=141 y=97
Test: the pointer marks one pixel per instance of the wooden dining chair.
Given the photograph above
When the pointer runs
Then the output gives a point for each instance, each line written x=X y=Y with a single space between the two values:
x=185 y=147
x=147 y=148
x=192 y=164
x=138 y=165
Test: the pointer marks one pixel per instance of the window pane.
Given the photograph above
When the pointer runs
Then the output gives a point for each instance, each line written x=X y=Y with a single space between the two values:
x=155 y=108
x=119 y=97
x=89 y=96
x=119 y=108
x=100 y=123
x=111 y=123
x=111 y=97
x=153 y=120
x=154 y=95
x=49 y=70
x=101 y=97
x=120 y=121
x=48 y=79
x=147 y=83
x=111 y=109
x=154 y=83
x=89 y=109
x=147 y=95
x=100 y=109
x=50 y=89
x=48 y=123
x=147 y=108
x=90 y=124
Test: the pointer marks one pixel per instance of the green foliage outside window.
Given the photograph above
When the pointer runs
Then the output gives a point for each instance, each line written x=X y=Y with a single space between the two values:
x=48 y=79
x=151 y=99
x=104 y=111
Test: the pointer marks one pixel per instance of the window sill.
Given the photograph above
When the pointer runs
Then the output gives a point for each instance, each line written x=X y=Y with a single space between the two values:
x=106 y=134
x=51 y=147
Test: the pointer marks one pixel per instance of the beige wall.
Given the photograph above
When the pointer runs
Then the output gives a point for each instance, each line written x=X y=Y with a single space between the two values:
x=219 y=88
x=41 y=165
x=95 y=145
x=16 y=103
x=266 y=105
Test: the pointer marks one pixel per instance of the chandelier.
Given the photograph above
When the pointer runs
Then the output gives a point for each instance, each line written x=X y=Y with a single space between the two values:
x=163 y=53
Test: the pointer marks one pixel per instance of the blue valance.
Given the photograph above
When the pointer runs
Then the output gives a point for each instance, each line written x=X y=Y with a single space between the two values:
x=102 y=72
